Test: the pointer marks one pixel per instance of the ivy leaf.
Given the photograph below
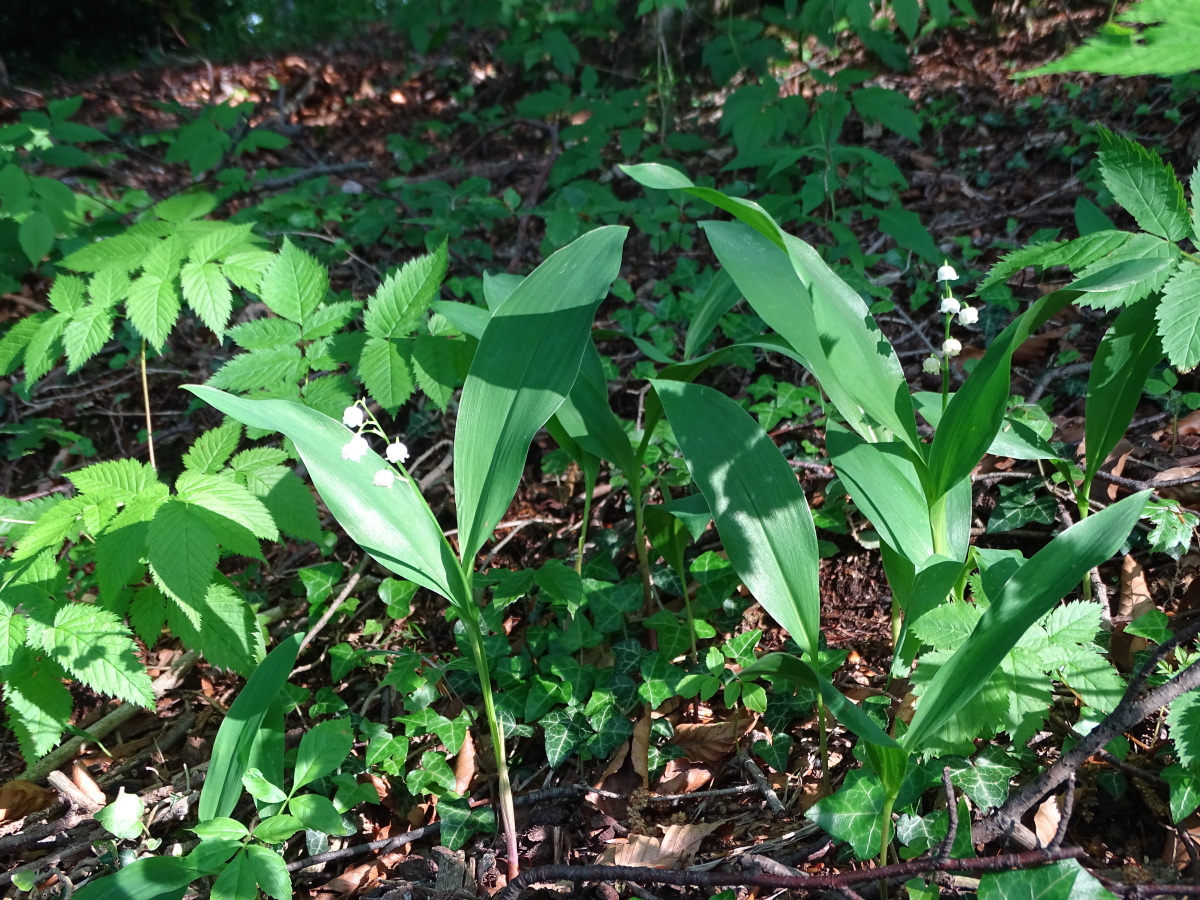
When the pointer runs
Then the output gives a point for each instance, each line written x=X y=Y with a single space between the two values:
x=564 y=732
x=1063 y=880
x=123 y=816
x=985 y=779
x=853 y=814
x=460 y=823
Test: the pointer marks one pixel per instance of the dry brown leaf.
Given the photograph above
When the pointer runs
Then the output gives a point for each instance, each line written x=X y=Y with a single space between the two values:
x=20 y=798
x=85 y=782
x=1046 y=819
x=464 y=765
x=676 y=848
x=639 y=748
x=711 y=742
x=681 y=776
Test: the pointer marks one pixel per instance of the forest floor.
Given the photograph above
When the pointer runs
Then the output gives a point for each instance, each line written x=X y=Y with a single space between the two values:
x=987 y=170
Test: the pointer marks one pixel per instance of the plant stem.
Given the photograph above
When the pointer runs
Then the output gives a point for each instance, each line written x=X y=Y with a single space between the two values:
x=146 y=405
x=474 y=626
x=639 y=543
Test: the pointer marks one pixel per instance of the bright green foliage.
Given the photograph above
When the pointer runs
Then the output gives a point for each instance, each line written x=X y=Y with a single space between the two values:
x=1170 y=46
x=1063 y=880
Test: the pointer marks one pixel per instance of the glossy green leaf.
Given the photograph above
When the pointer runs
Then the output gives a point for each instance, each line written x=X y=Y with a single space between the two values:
x=1124 y=358
x=757 y=503
x=231 y=748
x=393 y=524
x=154 y=878
x=323 y=748
x=587 y=418
x=525 y=366
x=1024 y=598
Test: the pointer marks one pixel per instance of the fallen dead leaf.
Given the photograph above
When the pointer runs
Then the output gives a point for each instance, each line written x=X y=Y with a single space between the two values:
x=639 y=748
x=711 y=742
x=676 y=848
x=464 y=765
x=1046 y=819
x=20 y=798
x=85 y=782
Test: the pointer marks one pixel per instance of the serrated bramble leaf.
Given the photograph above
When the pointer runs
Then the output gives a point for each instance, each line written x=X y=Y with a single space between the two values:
x=17 y=338
x=1074 y=254
x=153 y=307
x=207 y=293
x=440 y=366
x=1138 y=247
x=1093 y=678
x=45 y=346
x=39 y=704
x=265 y=334
x=1179 y=317
x=109 y=286
x=212 y=450
x=289 y=500
x=230 y=638
x=221 y=239
x=166 y=256
x=182 y=552
x=257 y=459
x=66 y=295
x=120 y=478
x=259 y=369
x=329 y=318
x=385 y=374
x=88 y=331
x=402 y=299
x=246 y=267
x=125 y=252
x=1146 y=186
x=185 y=207
x=330 y=394
x=1183 y=719
x=294 y=285
x=93 y=645
x=68 y=519
x=222 y=495
x=119 y=553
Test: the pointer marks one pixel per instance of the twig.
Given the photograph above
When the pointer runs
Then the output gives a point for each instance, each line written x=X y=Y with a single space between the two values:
x=1133 y=708
x=690 y=878
x=760 y=779
x=351 y=582
x=1135 y=485
x=282 y=182
x=942 y=851
x=1064 y=816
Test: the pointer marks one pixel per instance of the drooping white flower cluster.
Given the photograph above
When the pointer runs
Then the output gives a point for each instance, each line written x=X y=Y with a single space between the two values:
x=950 y=307
x=355 y=417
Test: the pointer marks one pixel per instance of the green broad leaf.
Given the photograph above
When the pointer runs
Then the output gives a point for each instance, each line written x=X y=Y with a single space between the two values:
x=1146 y=186
x=219 y=240
x=186 y=207
x=827 y=324
x=1173 y=527
x=439 y=364
x=318 y=814
x=262 y=790
x=88 y=332
x=906 y=229
x=1129 y=350
x=38 y=703
x=1194 y=187
x=182 y=552
x=222 y=495
x=246 y=267
x=270 y=871
x=385 y=374
x=402 y=298
x=221 y=828
x=207 y=292
x=854 y=813
x=265 y=334
x=1024 y=598
x=95 y=646
x=237 y=881
x=891 y=109
x=587 y=418
x=329 y=317
x=1020 y=505
x=432 y=775
x=323 y=748
x=153 y=307
x=278 y=829
x=757 y=503
x=561 y=584
x=987 y=778
x=267 y=368
x=1153 y=626
x=884 y=485
x=211 y=451
x=525 y=365
x=79 y=515
x=124 y=252
x=36 y=237
x=1093 y=678
x=147 y=613
x=393 y=524
x=1184 y=782
x=294 y=285
x=123 y=816
x=1063 y=880
x=235 y=737
x=775 y=753
x=1178 y=317
x=150 y=878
